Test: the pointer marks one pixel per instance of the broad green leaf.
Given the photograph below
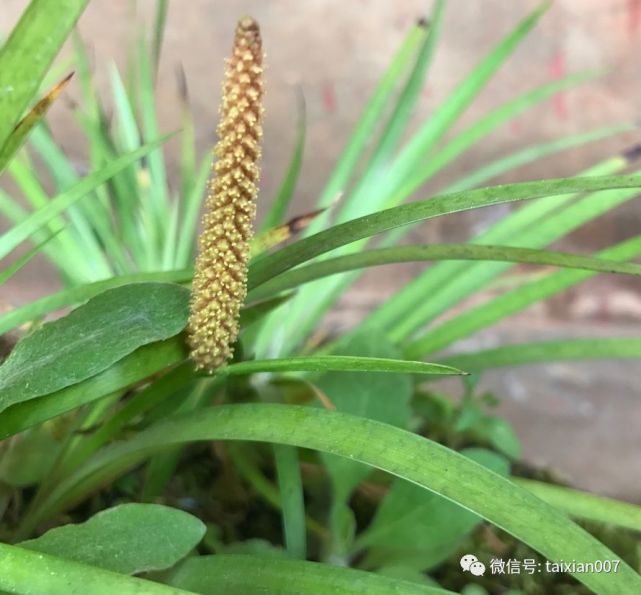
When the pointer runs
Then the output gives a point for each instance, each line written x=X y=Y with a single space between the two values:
x=583 y=505
x=380 y=445
x=130 y=538
x=138 y=366
x=91 y=338
x=340 y=363
x=24 y=571
x=370 y=225
x=242 y=574
x=418 y=528
x=63 y=201
x=434 y=252
x=27 y=54
x=548 y=351
x=76 y=295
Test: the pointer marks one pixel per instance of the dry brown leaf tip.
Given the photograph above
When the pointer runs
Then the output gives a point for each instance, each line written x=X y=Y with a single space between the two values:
x=220 y=273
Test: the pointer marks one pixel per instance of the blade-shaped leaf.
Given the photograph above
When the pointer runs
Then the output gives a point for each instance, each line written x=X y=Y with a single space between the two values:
x=510 y=302
x=240 y=574
x=583 y=505
x=397 y=254
x=336 y=363
x=28 y=52
x=370 y=225
x=37 y=112
x=58 y=204
x=547 y=351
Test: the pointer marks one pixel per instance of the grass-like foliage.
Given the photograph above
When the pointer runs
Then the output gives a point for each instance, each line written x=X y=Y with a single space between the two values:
x=303 y=463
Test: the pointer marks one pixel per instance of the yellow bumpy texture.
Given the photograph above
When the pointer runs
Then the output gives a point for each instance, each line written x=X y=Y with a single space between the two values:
x=220 y=274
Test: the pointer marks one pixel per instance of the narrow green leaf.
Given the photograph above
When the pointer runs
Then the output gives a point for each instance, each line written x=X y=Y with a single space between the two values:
x=583 y=505
x=160 y=19
x=517 y=159
x=380 y=445
x=480 y=129
x=290 y=487
x=12 y=269
x=513 y=301
x=63 y=201
x=129 y=539
x=240 y=574
x=533 y=225
x=24 y=571
x=366 y=196
x=334 y=363
x=426 y=138
x=370 y=225
x=28 y=52
x=280 y=204
x=370 y=119
x=91 y=338
x=382 y=256
x=547 y=351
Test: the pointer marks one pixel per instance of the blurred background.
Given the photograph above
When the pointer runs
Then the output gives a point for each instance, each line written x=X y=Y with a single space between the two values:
x=335 y=52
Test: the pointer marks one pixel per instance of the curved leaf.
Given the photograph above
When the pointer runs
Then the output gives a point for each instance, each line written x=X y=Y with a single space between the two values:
x=396 y=254
x=510 y=302
x=24 y=571
x=547 y=351
x=369 y=225
x=583 y=505
x=242 y=574
x=335 y=363
x=392 y=449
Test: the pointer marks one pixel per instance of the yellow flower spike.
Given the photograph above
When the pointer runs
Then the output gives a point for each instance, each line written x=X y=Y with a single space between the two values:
x=220 y=273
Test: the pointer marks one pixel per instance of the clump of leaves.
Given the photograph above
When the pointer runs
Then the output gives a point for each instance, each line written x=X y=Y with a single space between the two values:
x=328 y=466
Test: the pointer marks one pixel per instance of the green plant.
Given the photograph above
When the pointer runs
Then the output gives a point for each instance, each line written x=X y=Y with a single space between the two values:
x=359 y=462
